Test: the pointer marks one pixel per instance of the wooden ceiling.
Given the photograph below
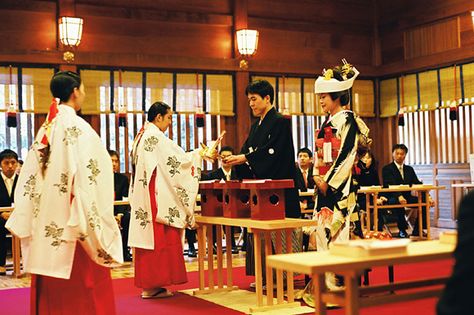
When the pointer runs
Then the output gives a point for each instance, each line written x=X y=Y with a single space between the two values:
x=296 y=37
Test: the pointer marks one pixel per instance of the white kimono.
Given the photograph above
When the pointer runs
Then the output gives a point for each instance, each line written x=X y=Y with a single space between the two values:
x=72 y=202
x=177 y=185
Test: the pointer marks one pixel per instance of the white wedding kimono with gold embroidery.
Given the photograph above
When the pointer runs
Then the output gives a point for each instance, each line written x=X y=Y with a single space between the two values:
x=177 y=185
x=71 y=204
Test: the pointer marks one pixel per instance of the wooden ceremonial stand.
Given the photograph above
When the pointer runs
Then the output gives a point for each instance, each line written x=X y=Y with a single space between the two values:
x=267 y=215
x=262 y=231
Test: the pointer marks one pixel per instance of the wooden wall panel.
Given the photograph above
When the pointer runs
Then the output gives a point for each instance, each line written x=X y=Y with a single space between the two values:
x=398 y=17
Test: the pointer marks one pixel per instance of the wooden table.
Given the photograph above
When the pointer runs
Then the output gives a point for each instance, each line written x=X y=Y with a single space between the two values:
x=261 y=231
x=354 y=297
x=421 y=190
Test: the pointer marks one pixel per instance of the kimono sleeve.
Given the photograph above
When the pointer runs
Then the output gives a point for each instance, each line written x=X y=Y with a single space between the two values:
x=341 y=169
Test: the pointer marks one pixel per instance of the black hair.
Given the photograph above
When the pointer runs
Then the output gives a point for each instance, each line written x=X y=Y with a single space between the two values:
x=400 y=146
x=343 y=95
x=63 y=84
x=8 y=154
x=113 y=153
x=226 y=148
x=305 y=150
x=262 y=88
x=156 y=108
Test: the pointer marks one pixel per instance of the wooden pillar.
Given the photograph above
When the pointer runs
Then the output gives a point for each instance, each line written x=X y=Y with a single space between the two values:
x=242 y=110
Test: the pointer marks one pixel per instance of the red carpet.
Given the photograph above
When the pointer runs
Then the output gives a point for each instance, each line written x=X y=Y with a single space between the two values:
x=16 y=301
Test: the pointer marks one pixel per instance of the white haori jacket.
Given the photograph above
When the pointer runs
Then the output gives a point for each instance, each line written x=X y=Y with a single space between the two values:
x=71 y=203
x=176 y=185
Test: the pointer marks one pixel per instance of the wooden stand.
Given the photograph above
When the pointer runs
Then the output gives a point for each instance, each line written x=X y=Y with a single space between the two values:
x=211 y=198
x=236 y=200
x=267 y=198
x=261 y=234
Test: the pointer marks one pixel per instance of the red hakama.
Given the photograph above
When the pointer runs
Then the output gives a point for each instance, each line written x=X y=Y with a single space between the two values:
x=164 y=265
x=88 y=291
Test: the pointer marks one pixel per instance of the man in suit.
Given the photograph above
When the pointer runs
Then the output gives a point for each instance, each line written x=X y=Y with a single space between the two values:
x=121 y=213
x=456 y=298
x=225 y=172
x=8 y=163
x=304 y=176
x=397 y=173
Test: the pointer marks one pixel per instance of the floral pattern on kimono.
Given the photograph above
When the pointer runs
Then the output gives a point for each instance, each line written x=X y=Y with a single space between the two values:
x=176 y=188
x=68 y=204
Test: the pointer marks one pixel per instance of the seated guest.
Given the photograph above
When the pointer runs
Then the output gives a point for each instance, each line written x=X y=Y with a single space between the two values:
x=225 y=172
x=121 y=213
x=456 y=298
x=367 y=175
x=9 y=164
x=304 y=176
x=397 y=173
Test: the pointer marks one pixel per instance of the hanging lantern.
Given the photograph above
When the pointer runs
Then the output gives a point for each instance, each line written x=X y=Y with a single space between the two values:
x=70 y=34
x=247 y=44
x=453 y=111
x=199 y=111
x=11 y=111
x=122 y=109
x=11 y=116
x=401 y=111
x=285 y=111
x=122 y=116
x=401 y=117
x=453 y=108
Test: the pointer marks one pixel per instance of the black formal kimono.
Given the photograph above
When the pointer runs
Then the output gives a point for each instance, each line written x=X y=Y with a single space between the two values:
x=270 y=154
x=6 y=200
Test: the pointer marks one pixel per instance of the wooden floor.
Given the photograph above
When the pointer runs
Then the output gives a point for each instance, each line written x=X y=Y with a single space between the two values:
x=126 y=270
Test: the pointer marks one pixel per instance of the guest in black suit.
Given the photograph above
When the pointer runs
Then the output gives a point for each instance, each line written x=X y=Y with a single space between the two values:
x=225 y=172
x=121 y=213
x=456 y=298
x=9 y=164
x=397 y=173
x=304 y=176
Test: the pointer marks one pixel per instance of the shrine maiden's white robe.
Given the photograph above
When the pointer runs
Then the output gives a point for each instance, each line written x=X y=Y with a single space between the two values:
x=71 y=203
x=176 y=189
